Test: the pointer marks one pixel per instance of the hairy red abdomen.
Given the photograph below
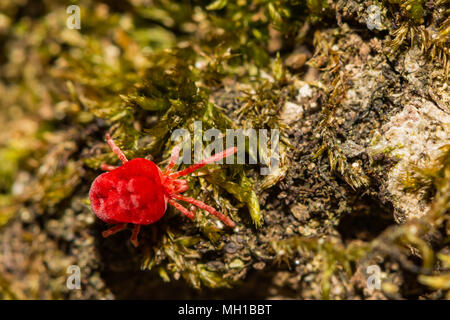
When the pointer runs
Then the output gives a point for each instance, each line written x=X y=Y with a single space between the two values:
x=131 y=193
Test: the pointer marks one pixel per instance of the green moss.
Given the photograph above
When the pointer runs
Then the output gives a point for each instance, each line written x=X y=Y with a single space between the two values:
x=428 y=179
x=181 y=260
x=413 y=9
x=334 y=256
x=389 y=149
x=432 y=39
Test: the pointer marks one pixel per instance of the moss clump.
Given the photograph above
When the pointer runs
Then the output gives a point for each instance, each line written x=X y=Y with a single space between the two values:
x=431 y=35
x=333 y=256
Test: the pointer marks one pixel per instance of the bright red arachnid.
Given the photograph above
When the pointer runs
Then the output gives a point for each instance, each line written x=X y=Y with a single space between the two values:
x=138 y=191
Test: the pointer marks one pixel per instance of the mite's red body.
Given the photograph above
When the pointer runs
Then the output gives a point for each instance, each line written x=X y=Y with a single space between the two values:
x=138 y=192
x=132 y=193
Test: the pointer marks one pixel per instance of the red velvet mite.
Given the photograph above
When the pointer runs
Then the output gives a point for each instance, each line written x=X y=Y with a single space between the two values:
x=138 y=192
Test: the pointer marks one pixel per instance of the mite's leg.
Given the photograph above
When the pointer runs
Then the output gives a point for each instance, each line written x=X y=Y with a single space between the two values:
x=193 y=209
x=182 y=209
x=115 y=148
x=113 y=230
x=180 y=185
x=134 y=235
x=209 y=160
x=210 y=209
x=173 y=159
x=107 y=167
